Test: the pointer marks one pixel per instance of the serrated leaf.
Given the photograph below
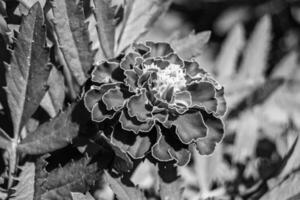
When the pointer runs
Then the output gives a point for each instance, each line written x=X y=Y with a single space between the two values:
x=230 y=51
x=104 y=14
x=76 y=176
x=124 y=191
x=55 y=96
x=5 y=140
x=73 y=37
x=28 y=71
x=80 y=196
x=140 y=15
x=192 y=45
x=51 y=135
x=25 y=186
x=256 y=53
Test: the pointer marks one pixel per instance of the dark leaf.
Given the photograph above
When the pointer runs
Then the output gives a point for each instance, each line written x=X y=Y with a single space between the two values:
x=51 y=135
x=124 y=190
x=28 y=72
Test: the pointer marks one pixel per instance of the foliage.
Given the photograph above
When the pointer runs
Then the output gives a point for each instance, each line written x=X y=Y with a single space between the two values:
x=89 y=110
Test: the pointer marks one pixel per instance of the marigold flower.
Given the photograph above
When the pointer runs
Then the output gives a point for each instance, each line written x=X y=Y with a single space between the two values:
x=153 y=101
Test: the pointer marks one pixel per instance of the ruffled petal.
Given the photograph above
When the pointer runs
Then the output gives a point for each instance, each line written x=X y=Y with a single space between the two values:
x=159 y=62
x=99 y=114
x=135 y=145
x=131 y=124
x=174 y=59
x=193 y=69
x=129 y=61
x=190 y=127
x=102 y=73
x=169 y=147
x=182 y=101
x=203 y=95
x=131 y=80
x=95 y=94
x=137 y=107
x=140 y=48
x=206 y=145
x=222 y=105
x=159 y=49
x=113 y=99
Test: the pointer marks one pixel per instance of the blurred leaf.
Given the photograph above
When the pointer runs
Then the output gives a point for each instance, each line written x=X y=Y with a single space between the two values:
x=287 y=66
x=258 y=96
x=124 y=190
x=230 y=51
x=288 y=189
x=139 y=16
x=210 y=168
x=246 y=136
x=25 y=5
x=51 y=135
x=104 y=14
x=256 y=53
x=76 y=176
x=3 y=26
x=5 y=140
x=80 y=196
x=192 y=45
x=55 y=96
x=25 y=186
x=73 y=37
x=28 y=72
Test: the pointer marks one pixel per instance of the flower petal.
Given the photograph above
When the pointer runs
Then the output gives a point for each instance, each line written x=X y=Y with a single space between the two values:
x=174 y=59
x=131 y=124
x=193 y=69
x=169 y=147
x=222 y=105
x=131 y=80
x=190 y=127
x=129 y=61
x=113 y=99
x=159 y=49
x=159 y=62
x=206 y=145
x=137 y=107
x=140 y=48
x=203 y=95
x=99 y=114
x=95 y=94
x=102 y=72
x=135 y=145
x=182 y=101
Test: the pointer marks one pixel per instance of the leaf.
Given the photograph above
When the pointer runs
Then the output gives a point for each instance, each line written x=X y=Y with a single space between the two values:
x=80 y=196
x=25 y=186
x=287 y=66
x=124 y=191
x=287 y=189
x=192 y=45
x=246 y=137
x=104 y=14
x=230 y=51
x=5 y=140
x=51 y=135
x=55 y=96
x=73 y=37
x=256 y=53
x=76 y=176
x=140 y=15
x=28 y=72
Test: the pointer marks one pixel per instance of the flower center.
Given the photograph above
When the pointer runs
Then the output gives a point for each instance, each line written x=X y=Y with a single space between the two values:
x=170 y=77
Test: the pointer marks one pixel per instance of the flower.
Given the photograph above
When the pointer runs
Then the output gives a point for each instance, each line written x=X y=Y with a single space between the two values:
x=150 y=100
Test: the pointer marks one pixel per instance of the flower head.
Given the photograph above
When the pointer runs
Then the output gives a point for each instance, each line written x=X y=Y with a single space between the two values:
x=150 y=100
